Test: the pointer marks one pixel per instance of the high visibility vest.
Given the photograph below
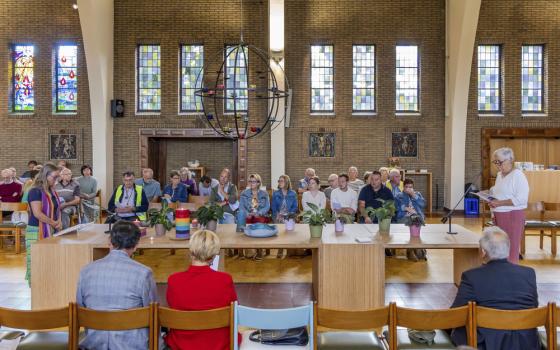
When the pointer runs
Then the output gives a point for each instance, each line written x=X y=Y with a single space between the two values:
x=390 y=186
x=138 y=189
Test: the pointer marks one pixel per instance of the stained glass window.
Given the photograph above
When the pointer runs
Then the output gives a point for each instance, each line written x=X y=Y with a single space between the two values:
x=322 y=78
x=236 y=79
x=66 y=78
x=192 y=63
x=532 y=78
x=149 y=78
x=407 y=79
x=363 y=78
x=23 y=93
x=489 y=78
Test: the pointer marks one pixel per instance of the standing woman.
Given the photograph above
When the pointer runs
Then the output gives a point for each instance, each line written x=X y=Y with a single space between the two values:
x=313 y=195
x=511 y=193
x=284 y=203
x=44 y=216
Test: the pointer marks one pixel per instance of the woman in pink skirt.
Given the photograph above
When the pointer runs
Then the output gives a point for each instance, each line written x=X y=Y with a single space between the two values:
x=511 y=192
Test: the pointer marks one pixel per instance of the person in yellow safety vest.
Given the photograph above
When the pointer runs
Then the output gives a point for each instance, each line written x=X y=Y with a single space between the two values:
x=394 y=183
x=128 y=201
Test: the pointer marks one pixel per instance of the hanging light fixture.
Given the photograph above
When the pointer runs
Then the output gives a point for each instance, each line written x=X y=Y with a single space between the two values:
x=245 y=98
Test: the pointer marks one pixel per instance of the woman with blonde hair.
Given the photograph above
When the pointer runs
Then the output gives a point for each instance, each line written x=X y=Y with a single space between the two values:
x=200 y=288
x=254 y=205
x=44 y=213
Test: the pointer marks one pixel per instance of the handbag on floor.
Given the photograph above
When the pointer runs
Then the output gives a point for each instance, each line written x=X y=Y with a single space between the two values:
x=292 y=336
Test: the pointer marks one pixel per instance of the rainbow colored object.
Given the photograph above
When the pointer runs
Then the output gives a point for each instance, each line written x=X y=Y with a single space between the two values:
x=182 y=223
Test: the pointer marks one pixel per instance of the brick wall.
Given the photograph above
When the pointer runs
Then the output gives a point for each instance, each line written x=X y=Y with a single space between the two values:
x=43 y=24
x=512 y=23
x=171 y=23
x=364 y=141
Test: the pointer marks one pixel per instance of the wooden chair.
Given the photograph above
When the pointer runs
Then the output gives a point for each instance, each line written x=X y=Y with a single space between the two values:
x=549 y=337
x=431 y=320
x=552 y=214
x=7 y=228
x=120 y=320
x=199 y=200
x=512 y=320
x=192 y=321
x=535 y=222
x=36 y=320
x=353 y=323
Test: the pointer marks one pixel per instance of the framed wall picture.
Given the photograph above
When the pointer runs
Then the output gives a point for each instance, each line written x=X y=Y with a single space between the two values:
x=63 y=146
x=404 y=144
x=322 y=144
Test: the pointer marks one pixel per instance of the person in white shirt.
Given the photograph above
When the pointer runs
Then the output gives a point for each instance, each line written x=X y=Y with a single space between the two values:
x=511 y=193
x=344 y=200
x=353 y=182
x=313 y=195
x=205 y=185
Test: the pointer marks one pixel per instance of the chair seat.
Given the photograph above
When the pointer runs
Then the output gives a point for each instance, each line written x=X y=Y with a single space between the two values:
x=442 y=341
x=544 y=344
x=349 y=341
x=247 y=344
x=10 y=335
x=537 y=224
x=44 y=341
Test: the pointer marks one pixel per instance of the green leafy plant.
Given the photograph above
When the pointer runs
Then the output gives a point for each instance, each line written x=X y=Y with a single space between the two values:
x=414 y=220
x=316 y=216
x=209 y=212
x=160 y=216
x=386 y=211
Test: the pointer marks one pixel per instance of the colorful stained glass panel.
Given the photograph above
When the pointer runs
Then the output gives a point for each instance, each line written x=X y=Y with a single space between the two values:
x=407 y=87
x=23 y=79
x=363 y=78
x=66 y=78
x=322 y=78
x=192 y=63
x=532 y=78
x=489 y=78
x=237 y=88
x=149 y=78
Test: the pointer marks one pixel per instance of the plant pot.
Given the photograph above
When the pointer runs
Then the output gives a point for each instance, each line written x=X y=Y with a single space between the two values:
x=290 y=225
x=160 y=230
x=212 y=225
x=385 y=226
x=338 y=226
x=316 y=231
x=415 y=231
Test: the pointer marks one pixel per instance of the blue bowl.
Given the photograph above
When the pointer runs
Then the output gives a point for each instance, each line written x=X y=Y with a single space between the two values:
x=261 y=230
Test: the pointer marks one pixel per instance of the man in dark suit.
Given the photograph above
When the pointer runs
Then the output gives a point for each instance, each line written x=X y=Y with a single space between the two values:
x=498 y=284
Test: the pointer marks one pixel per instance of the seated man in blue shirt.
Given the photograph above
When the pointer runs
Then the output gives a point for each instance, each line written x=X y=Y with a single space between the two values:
x=369 y=195
x=152 y=188
x=410 y=202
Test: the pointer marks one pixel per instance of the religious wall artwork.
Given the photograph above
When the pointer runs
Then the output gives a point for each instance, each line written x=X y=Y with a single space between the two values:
x=63 y=146
x=322 y=144
x=404 y=144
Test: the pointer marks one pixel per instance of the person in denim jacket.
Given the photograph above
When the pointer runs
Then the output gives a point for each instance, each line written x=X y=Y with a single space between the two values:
x=254 y=205
x=410 y=202
x=284 y=203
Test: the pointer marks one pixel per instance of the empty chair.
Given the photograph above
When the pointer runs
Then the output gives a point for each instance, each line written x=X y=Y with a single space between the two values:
x=351 y=322
x=271 y=319
x=535 y=222
x=8 y=228
x=552 y=214
x=40 y=320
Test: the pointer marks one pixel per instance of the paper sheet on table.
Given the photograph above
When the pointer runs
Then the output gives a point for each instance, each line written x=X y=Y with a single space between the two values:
x=9 y=344
x=71 y=229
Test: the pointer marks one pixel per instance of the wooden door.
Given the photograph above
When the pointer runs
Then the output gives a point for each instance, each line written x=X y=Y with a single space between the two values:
x=157 y=158
x=536 y=151
x=553 y=150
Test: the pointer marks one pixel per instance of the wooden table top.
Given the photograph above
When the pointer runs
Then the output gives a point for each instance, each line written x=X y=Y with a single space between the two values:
x=432 y=236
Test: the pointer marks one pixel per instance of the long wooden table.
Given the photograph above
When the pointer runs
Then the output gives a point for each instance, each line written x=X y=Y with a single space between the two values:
x=346 y=274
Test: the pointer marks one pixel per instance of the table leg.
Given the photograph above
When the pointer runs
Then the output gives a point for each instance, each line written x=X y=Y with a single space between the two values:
x=463 y=260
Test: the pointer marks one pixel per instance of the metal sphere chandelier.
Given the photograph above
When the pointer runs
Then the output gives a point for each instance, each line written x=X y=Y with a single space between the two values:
x=246 y=98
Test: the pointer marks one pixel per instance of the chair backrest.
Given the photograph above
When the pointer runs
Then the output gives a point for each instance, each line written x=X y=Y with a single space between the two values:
x=199 y=199
x=18 y=206
x=117 y=320
x=535 y=210
x=273 y=319
x=193 y=320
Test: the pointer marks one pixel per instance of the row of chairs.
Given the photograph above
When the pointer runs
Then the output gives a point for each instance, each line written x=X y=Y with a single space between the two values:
x=354 y=329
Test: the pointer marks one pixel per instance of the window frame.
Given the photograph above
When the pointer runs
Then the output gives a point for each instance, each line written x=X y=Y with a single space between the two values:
x=12 y=79
x=500 y=67
x=56 y=68
x=226 y=89
x=542 y=110
x=321 y=111
x=418 y=92
x=138 y=110
x=365 y=111
x=181 y=88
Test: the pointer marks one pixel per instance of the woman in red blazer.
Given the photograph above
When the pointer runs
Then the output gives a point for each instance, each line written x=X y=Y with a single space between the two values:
x=200 y=288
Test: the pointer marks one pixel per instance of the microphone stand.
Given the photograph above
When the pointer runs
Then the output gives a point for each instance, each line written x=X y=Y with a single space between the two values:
x=449 y=216
x=110 y=220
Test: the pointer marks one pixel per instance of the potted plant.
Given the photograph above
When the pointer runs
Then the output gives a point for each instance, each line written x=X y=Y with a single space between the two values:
x=159 y=218
x=209 y=214
x=316 y=218
x=384 y=214
x=290 y=221
x=414 y=222
x=340 y=220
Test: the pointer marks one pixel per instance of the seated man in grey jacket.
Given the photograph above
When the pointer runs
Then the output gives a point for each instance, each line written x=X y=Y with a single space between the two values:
x=117 y=282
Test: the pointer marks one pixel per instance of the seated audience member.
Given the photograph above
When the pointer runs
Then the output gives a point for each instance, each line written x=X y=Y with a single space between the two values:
x=370 y=194
x=10 y=191
x=284 y=203
x=394 y=183
x=176 y=191
x=117 y=282
x=303 y=183
x=366 y=177
x=200 y=288
x=343 y=199
x=205 y=185
x=187 y=179
x=254 y=205
x=14 y=176
x=225 y=195
x=28 y=185
x=384 y=171
x=30 y=166
x=353 y=182
x=333 y=183
x=498 y=284
x=410 y=202
x=128 y=201
x=68 y=191
x=88 y=191
x=313 y=195
x=152 y=188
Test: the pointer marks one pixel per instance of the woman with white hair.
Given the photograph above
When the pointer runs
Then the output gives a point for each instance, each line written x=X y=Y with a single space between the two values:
x=187 y=179
x=511 y=193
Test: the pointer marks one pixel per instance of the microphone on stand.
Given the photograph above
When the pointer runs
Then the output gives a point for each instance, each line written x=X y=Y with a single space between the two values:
x=109 y=219
x=449 y=215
